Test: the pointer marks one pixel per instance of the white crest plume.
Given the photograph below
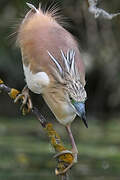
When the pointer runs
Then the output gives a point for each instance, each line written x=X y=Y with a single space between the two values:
x=68 y=63
x=32 y=7
x=56 y=63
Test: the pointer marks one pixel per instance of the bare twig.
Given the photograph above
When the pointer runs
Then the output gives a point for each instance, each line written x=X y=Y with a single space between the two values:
x=98 y=12
x=65 y=160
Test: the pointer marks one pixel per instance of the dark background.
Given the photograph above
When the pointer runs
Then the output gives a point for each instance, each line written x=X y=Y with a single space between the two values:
x=99 y=41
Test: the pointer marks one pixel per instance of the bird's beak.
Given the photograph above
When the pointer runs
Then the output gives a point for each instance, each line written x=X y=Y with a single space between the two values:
x=80 y=110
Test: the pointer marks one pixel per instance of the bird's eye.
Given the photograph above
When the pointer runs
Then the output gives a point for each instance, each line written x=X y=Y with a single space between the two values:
x=71 y=100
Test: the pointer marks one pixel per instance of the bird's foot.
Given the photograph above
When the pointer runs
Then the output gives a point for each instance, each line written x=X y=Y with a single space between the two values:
x=26 y=106
x=66 y=159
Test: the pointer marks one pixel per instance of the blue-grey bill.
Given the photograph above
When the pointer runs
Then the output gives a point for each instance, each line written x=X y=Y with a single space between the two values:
x=80 y=110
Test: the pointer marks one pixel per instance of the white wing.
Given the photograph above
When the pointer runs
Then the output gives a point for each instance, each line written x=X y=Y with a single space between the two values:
x=36 y=82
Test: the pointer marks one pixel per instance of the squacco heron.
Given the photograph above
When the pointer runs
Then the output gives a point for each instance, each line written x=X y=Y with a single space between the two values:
x=53 y=66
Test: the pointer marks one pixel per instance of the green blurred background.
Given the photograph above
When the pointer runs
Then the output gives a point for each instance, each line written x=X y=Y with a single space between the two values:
x=24 y=149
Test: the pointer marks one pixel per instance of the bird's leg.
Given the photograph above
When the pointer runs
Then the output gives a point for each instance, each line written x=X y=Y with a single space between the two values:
x=73 y=153
x=74 y=150
x=74 y=147
x=26 y=101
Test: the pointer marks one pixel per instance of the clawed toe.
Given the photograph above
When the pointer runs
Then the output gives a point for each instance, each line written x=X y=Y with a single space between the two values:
x=65 y=168
x=26 y=101
x=19 y=97
x=66 y=160
x=62 y=153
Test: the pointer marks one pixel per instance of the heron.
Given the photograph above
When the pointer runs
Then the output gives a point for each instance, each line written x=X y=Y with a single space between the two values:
x=53 y=66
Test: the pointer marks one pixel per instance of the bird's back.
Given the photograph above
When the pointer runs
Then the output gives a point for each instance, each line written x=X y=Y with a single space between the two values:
x=40 y=32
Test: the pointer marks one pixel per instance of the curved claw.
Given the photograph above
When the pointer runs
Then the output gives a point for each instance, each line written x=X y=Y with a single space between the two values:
x=62 y=153
x=19 y=97
x=26 y=101
x=57 y=172
x=64 y=164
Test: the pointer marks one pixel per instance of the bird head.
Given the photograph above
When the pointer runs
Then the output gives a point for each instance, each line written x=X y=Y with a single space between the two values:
x=68 y=76
x=77 y=97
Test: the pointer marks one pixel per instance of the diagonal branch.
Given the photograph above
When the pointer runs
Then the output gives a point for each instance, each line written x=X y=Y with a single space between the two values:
x=64 y=161
x=98 y=12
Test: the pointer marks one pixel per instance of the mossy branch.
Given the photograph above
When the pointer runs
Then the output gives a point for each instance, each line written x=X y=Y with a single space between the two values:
x=64 y=161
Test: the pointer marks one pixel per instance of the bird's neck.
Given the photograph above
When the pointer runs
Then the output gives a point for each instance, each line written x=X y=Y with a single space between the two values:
x=57 y=102
x=54 y=96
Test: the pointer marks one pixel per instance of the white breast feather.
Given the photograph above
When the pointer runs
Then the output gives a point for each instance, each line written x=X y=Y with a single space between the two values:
x=36 y=82
x=70 y=114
